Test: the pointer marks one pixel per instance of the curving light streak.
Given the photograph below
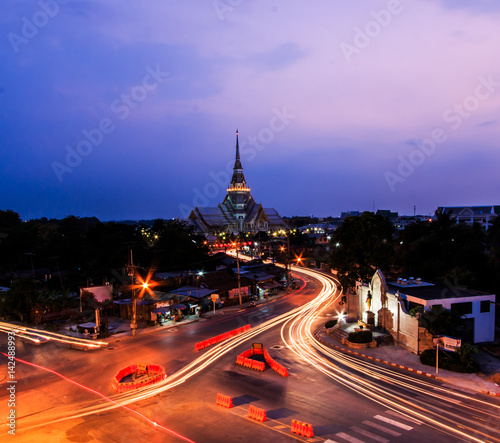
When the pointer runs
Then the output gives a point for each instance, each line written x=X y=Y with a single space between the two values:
x=38 y=336
x=93 y=391
x=199 y=364
x=303 y=343
x=301 y=340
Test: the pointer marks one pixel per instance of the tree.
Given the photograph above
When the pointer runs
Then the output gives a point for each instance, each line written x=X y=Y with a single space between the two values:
x=441 y=321
x=360 y=246
x=443 y=251
x=180 y=247
x=9 y=220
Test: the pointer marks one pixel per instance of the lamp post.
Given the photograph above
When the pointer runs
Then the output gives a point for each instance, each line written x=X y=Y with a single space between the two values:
x=398 y=297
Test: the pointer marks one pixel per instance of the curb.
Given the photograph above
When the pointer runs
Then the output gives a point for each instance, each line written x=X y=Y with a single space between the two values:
x=379 y=360
x=127 y=334
x=492 y=394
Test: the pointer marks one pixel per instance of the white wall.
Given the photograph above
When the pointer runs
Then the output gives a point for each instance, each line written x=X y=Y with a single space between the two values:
x=484 y=323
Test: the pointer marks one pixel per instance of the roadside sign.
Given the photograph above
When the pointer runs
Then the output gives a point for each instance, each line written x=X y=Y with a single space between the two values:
x=215 y=297
x=448 y=343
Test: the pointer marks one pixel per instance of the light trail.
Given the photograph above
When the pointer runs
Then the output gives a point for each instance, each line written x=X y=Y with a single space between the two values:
x=93 y=391
x=179 y=377
x=301 y=340
x=38 y=336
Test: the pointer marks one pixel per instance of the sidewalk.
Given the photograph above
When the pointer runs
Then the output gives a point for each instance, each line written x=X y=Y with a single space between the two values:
x=404 y=359
x=120 y=327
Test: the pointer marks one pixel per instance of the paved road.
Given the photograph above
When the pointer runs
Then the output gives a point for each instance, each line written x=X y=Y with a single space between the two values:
x=338 y=413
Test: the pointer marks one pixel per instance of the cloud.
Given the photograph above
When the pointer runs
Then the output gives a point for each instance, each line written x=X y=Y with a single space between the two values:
x=487 y=123
x=285 y=55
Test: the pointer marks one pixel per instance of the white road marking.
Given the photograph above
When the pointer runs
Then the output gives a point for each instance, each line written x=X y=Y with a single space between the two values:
x=394 y=422
x=369 y=434
x=382 y=428
x=349 y=438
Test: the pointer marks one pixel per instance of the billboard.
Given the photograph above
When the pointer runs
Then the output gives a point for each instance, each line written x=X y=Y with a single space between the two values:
x=96 y=297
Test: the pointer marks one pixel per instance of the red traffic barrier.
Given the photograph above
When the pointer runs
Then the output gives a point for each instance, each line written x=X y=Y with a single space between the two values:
x=281 y=370
x=221 y=337
x=256 y=413
x=153 y=373
x=258 y=365
x=224 y=400
x=301 y=428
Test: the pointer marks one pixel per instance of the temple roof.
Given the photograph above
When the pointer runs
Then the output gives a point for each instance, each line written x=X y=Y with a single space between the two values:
x=238 y=211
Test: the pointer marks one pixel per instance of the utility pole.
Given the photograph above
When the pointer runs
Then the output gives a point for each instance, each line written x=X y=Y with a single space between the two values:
x=131 y=273
x=59 y=272
x=288 y=263
x=239 y=284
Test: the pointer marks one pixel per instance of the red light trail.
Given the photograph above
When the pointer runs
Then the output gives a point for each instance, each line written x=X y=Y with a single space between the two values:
x=103 y=396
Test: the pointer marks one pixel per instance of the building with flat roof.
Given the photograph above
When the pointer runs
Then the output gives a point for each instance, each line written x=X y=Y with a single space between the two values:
x=390 y=305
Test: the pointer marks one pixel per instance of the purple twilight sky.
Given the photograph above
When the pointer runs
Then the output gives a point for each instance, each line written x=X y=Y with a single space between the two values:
x=128 y=109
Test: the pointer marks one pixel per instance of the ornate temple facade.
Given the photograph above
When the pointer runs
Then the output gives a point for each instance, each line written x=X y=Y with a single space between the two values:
x=238 y=212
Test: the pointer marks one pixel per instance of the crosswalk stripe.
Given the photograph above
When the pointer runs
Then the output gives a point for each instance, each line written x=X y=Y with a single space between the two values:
x=382 y=428
x=404 y=417
x=369 y=434
x=394 y=422
x=348 y=437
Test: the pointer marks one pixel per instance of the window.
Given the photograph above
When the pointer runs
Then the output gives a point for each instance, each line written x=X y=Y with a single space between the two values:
x=485 y=306
x=462 y=308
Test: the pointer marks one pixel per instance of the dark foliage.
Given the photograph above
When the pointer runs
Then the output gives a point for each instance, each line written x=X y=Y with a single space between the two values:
x=360 y=337
x=330 y=323
x=360 y=246
x=449 y=360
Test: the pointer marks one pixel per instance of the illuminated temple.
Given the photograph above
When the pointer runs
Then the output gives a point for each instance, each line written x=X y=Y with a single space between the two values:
x=238 y=212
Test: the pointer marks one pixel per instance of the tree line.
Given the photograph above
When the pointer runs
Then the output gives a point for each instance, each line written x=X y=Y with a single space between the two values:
x=61 y=255
x=443 y=251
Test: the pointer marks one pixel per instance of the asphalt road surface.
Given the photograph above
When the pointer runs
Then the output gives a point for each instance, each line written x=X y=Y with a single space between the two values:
x=344 y=399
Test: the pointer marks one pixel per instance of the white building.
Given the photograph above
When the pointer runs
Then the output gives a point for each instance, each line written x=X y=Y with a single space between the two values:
x=484 y=215
x=391 y=304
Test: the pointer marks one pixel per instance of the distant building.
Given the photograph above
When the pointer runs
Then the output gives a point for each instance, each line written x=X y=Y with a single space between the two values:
x=404 y=220
x=238 y=212
x=317 y=229
x=386 y=213
x=344 y=215
x=483 y=215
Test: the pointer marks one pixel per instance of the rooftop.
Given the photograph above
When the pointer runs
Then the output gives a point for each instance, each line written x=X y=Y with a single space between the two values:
x=431 y=291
